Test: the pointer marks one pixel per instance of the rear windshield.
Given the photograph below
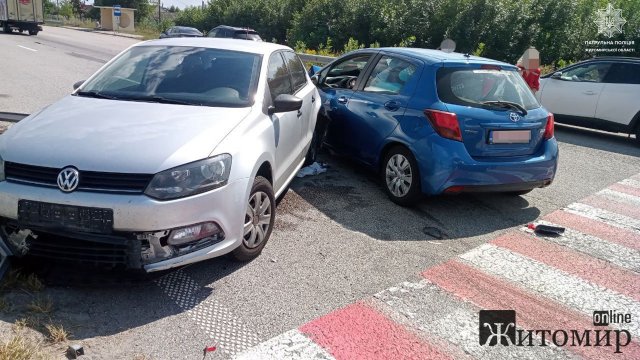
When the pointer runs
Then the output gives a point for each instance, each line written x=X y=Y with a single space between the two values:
x=476 y=87
x=190 y=75
x=250 y=35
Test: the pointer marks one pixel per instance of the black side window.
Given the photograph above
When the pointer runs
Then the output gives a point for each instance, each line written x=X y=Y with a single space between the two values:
x=623 y=74
x=278 y=77
x=298 y=74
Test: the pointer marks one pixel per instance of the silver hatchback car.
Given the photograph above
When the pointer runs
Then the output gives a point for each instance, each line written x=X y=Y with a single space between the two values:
x=174 y=152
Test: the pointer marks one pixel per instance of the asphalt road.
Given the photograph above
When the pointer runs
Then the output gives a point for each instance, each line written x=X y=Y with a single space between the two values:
x=38 y=70
x=337 y=238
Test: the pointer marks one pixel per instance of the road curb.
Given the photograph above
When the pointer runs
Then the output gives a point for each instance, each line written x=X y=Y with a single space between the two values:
x=105 y=32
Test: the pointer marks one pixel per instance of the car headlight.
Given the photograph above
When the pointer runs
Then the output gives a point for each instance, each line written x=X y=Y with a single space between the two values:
x=190 y=179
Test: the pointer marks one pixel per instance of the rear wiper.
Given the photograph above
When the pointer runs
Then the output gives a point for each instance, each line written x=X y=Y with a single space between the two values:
x=508 y=104
x=97 y=94
x=163 y=100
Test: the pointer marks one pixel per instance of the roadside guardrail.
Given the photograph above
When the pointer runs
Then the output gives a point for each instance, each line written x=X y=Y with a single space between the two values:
x=317 y=59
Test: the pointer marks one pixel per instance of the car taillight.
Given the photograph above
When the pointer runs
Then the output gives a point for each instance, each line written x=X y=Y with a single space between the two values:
x=549 y=128
x=490 y=67
x=444 y=123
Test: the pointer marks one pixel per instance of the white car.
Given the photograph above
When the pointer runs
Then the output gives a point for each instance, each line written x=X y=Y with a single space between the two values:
x=174 y=152
x=600 y=93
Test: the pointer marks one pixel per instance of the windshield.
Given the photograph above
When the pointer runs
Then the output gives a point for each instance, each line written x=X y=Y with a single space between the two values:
x=179 y=74
x=484 y=87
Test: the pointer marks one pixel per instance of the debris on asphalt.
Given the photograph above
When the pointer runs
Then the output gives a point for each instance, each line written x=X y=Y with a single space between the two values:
x=207 y=350
x=313 y=169
x=546 y=229
x=75 y=350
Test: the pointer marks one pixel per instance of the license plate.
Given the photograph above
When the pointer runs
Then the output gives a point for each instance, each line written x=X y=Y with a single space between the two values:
x=510 y=137
x=65 y=217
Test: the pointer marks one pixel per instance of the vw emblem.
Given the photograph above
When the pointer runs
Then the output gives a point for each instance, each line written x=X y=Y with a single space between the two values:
x=68 y=179
x=515 y=117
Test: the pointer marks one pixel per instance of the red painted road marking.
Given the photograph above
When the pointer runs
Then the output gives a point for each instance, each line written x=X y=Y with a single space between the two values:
x=597 y=271
x=613 y=206
x=629 y=190
x=533 y=312
x=596 y=228
x=360 y=332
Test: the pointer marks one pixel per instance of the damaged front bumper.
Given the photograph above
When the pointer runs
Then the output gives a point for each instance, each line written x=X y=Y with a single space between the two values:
x=146 y=234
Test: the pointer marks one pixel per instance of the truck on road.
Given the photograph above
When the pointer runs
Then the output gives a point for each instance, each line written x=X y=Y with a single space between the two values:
x=21 y=15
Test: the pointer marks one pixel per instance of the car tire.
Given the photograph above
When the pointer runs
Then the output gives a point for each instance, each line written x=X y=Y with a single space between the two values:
x=638 y=134
x=316 y=141
x=6 y=28
x=312 y=153
x=519 y=193
x=259 y=220
x=33 y=32
x=400 y=176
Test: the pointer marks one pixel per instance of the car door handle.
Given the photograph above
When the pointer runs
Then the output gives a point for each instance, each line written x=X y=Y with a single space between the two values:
x=299 y=113
x=589 y=92
x=392 y=105
x=342 y=100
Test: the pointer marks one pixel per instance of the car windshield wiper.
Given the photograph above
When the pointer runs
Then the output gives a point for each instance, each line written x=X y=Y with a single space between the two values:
x=97 y=94
x=162 y=100
x=508 y=104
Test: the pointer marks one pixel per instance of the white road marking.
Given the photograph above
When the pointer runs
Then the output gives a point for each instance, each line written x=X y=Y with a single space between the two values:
x=439 y=314
x=291 y=345
x=218 y=322
x=595 y=247
x=605 y=216
x=622 y=197
x=540 y=278
x=27 y=48
x=631 y=182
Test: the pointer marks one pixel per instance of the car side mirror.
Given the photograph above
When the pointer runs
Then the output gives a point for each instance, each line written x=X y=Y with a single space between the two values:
x=557 y=75
x=285 y=103
x=78 y=84
x=315 y=80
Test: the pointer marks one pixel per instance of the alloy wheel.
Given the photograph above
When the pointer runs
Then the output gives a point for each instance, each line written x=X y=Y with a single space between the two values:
x=398 y=175
x=257 y=219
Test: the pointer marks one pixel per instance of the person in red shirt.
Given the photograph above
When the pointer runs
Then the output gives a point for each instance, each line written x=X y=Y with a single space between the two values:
x=531 y=77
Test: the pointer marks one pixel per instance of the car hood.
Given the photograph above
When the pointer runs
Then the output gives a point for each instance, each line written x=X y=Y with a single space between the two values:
x=118 y=136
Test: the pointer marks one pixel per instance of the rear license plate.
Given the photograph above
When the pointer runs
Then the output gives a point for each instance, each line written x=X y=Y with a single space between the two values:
x=510 y=137
x=65 y=217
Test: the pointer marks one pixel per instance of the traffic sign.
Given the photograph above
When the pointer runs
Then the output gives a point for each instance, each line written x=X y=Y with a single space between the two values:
x=116 y=10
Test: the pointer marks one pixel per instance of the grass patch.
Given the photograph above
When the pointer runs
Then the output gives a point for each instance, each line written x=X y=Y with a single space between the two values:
x=41 y=305
x=4 y=305
x=56 y=333
x=26 y=322
x=15 y=279
x=21 y=348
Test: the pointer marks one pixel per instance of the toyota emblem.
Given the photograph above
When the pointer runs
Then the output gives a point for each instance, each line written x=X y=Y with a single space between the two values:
x=515 y=117
x=68 y=179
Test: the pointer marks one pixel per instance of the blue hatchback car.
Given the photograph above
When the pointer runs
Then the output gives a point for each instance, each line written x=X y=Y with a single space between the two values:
x=433 y=122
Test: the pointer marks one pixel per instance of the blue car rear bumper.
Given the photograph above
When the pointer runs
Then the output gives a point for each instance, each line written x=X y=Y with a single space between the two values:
x=446 y=166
